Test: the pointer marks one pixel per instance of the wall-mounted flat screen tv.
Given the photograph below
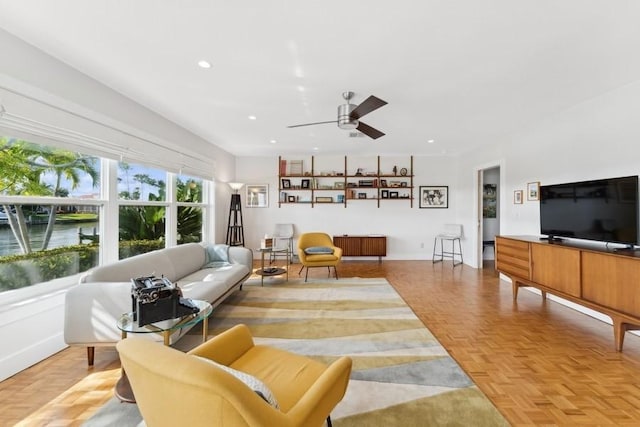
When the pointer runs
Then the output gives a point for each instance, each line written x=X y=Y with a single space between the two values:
x=604 y=210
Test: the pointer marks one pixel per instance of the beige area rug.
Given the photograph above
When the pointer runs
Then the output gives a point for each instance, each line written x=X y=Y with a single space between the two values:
x=401 y=376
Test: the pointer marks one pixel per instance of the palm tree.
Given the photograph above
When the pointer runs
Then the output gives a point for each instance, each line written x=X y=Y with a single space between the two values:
x=23 y=166
x=68 y=165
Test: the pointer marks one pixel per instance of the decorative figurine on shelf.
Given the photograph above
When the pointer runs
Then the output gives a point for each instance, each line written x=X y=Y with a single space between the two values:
x=359 y=172
x=395 y=170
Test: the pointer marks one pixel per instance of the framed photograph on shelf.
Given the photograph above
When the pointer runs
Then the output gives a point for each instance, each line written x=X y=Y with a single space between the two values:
x=434 y=196
x=517 y=197
x=324 y=199
x=257 y=195
x=383 y=183
x=291 y=199
x=384 y=194
x=306 y=183
x=533 y=191
x=286 y=183
x=393 y=194
x=338 y=184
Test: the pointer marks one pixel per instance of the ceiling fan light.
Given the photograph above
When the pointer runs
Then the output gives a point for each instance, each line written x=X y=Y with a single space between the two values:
x=344 y=116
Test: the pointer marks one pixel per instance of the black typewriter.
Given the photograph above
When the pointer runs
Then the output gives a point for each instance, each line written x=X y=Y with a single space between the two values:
x=154 y=299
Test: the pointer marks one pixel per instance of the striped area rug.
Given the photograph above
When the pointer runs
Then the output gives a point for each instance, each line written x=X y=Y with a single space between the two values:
x=401 y=376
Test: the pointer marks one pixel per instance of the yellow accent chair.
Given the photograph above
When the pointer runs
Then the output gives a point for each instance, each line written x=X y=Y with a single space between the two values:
x=173 y=388
x=317 y=250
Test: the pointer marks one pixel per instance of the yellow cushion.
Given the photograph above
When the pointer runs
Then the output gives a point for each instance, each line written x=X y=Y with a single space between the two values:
x=288 y=379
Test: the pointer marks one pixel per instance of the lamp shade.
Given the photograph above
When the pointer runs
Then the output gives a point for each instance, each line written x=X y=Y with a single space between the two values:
x=236 y=185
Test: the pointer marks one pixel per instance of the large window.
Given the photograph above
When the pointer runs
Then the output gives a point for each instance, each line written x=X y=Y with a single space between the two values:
x=47 y=217
x=52 y=203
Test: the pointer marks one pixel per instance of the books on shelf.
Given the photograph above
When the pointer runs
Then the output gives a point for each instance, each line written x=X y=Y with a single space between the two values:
x=291 y=167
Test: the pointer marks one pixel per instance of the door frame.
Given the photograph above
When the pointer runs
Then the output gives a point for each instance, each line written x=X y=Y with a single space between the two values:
x=478 y=185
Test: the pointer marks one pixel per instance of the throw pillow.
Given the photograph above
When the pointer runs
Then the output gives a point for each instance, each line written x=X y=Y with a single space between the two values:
x=217 y=253
x=252 y=382
x=315 y=250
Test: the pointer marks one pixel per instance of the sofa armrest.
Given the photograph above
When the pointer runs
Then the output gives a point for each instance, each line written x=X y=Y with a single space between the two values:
x=241 y=255
x=226 y=347
x=92 y=310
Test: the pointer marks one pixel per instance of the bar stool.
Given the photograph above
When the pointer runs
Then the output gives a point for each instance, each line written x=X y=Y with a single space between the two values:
x=452 y=233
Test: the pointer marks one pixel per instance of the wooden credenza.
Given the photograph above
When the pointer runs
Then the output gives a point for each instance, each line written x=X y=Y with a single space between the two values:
x=362 y=245
x=603 y=280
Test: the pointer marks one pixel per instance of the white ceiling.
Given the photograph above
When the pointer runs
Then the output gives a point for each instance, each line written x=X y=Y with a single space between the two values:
x=461 y=72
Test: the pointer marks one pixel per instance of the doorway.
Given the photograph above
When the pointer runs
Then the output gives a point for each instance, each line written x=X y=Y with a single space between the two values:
x=488 y=213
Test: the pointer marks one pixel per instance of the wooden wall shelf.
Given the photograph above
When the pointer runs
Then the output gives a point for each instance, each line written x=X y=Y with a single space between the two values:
x=308 y=186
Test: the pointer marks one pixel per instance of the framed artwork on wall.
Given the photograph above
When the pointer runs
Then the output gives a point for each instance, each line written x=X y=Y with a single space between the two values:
x=533 y=191
x=517 y=197
x=257 y=195
x=434 y=196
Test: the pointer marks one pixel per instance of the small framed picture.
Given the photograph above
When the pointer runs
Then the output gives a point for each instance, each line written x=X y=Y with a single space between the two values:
x=306 y=183
x=393 y=194
x=403 y=184
x=533 y=191
x=291 y=199
x=434 y=196
x=257 y=195
x=517 y=197
x=338 y=184
x=384 y=194
x=383 y=183
x=286 y=183
x=362 y=195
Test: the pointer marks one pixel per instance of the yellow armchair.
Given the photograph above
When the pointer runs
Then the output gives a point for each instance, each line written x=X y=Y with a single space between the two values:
x=317 y=250
x=174 y=388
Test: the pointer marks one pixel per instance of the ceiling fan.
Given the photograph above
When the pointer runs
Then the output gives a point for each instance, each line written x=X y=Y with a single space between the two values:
x=349 y=115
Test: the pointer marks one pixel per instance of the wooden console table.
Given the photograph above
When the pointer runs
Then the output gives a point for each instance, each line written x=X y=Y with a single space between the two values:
x=373 y=245
x=602 y=280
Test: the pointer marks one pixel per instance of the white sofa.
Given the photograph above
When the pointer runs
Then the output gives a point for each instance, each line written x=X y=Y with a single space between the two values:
x=104 y=293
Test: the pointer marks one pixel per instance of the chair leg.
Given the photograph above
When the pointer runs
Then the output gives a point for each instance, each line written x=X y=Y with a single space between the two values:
x=306 y=274
x=91 y=351
x=328 y=271
x=335 y=270
x=433 y=258
x=329 y=421
x=301 y=270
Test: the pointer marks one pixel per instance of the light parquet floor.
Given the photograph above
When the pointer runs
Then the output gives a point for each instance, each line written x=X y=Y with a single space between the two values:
x=540 y=363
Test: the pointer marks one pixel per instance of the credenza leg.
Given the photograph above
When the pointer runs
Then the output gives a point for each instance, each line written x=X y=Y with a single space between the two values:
x=515 y=287
x=544 y=295
x=619 y=329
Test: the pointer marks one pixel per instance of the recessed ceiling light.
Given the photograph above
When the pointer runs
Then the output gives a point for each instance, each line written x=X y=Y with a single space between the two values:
x=204 y=64
x=273 y=141
x=315 y=148
x=252 y=117
x=431 y=141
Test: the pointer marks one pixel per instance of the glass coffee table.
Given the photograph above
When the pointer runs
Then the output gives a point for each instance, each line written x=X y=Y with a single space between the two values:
x=272 y=271
x=127 y=325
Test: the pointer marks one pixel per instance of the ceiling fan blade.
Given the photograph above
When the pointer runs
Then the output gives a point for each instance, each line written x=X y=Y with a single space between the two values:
x=311 y=124
x=369 y=131
x=368 y=105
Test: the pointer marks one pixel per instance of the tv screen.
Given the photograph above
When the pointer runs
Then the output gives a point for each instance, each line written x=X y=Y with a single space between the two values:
x=604 y=210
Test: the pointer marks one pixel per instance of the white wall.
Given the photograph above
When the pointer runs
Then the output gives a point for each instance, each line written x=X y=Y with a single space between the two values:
x=32 y=330
x=598 y=138
x=410 y=231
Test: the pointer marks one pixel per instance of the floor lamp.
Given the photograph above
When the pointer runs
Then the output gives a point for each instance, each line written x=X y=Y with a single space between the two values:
x=235 y=231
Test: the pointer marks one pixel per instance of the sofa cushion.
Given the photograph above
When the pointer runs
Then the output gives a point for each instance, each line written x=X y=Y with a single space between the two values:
x=156 y=263
x=186 y=258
